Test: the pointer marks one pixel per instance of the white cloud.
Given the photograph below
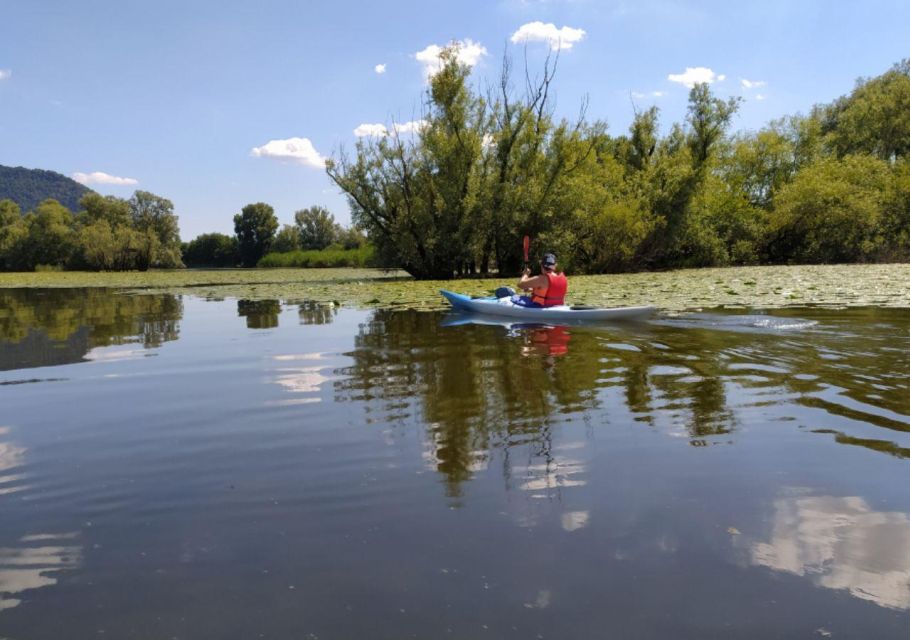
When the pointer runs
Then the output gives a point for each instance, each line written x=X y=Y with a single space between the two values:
x=99 y=177
x=760 y=96
x=299 y=150
x=5 y=73
x=752 y=84
x=469 y=53
x=379 y=68
x=537 y=31
x=638 y=95
x=370 y=130
x=658 y=94
x=695 y=75
x=377 y=130
x=414 y=126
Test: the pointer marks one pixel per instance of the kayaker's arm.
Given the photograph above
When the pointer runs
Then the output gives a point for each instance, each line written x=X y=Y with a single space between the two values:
x=529 y=282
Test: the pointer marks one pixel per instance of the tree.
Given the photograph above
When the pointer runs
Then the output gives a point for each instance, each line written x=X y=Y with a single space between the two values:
x=480 y=174
x=708 y=119
x=288 y=239
x=833 y=211
x=13 y=232
x=153 y=216
x=50 y=238
x=315 y=227
x=349 y=237
x=95 y=207
x=255 y=228
x=212 y=250
x=875 y=118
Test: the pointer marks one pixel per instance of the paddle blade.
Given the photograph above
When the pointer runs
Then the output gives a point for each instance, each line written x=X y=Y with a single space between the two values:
x=526 y=245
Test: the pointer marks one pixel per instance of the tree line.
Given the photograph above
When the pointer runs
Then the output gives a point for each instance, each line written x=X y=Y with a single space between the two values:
x=142 y=232
x=107 y=234
x=256 y=236
x=489 y=167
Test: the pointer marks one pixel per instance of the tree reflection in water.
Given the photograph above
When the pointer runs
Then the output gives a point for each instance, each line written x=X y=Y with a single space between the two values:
x=314 y=313
x=263 y=314
x=481 y=388
x=42 y=327
x=259 y=314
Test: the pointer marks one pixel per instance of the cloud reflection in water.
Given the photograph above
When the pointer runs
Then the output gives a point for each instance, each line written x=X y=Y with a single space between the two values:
x=30 y=566
x=841 y=543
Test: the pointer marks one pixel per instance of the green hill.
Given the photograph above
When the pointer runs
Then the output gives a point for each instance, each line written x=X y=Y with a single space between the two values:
x=28 y=187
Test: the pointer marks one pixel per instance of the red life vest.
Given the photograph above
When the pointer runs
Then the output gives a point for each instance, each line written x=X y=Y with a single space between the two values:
x=555 y=292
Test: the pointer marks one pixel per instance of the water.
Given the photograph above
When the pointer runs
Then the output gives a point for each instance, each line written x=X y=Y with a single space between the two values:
x=179 y=467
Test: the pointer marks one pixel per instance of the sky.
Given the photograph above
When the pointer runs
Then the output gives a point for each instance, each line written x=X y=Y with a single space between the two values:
x=217 y=104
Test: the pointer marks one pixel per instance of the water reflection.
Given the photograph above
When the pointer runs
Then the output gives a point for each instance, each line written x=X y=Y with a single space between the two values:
x=34 y=563
x=311 y=312
x=47 y=327
x=259 y=314
x=298 y=376
x=263 y=314
x=472 y=382
x=12 y=458
x=841 y=543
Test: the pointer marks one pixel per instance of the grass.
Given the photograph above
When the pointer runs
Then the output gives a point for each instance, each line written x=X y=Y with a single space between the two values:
x=778 y=286
x=325 y=258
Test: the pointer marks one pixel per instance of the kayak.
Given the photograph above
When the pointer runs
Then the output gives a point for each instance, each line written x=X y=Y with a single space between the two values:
x=504 y=307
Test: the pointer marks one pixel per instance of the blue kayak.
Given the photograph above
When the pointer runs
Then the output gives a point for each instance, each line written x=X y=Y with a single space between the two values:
x=504 y=307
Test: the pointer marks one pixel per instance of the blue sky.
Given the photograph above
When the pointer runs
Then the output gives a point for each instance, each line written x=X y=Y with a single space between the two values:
x=176 y=96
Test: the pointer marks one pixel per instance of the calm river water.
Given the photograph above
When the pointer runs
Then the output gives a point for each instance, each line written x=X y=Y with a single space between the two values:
x=174 y=467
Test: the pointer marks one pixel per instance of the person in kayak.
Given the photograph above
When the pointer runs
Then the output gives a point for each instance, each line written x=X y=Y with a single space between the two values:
x=547 y=289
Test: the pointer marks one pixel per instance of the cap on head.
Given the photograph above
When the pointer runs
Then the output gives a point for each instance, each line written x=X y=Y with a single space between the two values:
x=548 y=260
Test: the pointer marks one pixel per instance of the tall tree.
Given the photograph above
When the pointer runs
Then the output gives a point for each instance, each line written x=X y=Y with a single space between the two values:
x=95 y=207
x=51 y=240
x=154 y=216
x=874 y=118
x=255 y=228
x=212 y=250
x=315 y=227
x=288 y=239
x=13 y=232
x=481 y=173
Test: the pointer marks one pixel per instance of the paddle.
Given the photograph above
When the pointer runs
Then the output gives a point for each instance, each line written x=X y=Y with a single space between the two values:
x=526 y=244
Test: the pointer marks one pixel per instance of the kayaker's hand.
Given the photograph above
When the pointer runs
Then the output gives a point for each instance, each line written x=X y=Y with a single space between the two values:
x=526 y=272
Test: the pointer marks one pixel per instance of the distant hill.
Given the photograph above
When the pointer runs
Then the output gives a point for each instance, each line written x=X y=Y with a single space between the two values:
x=28 y=187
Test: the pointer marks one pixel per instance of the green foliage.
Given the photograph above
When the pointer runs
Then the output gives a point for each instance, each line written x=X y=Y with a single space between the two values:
x=51 y=238
x=487 y=169
x=212 y=250
x=153 y=217
x=115 y=211
x=108 y=234
x=255 y=228
x=13 y=231
x=331 y=257
x=288 y=239
x=481 y=173
x=833 y=211
x=708 y=118
x=316 y=228
x=349 y=237
x=30 y=187
x=875 y=118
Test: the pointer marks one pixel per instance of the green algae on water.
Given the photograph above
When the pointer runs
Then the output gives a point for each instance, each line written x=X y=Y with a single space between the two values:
x=673 y=291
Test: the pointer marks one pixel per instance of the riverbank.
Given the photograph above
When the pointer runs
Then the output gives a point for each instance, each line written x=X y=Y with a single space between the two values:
x=688 y=289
